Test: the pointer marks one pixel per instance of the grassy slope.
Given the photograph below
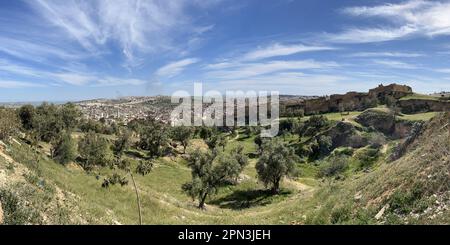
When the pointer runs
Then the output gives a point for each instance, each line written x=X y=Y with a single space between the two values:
x=305 y=200
x=426 y=116
x=425 y=167
x=162 y=199
x=419 y=97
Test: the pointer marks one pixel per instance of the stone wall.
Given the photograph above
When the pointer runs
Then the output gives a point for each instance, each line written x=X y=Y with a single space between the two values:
x=420 y=105
x=394 y=90
x=352 y=100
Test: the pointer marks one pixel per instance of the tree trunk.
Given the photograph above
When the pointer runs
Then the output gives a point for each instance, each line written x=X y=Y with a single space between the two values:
x=137 y=198
x=201 y=204
x=276 y=187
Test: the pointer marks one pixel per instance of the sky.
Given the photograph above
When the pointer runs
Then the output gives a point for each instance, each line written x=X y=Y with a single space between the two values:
x=52 y=50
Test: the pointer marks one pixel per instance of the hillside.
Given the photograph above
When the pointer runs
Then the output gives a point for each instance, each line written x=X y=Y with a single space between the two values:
x=412 y=189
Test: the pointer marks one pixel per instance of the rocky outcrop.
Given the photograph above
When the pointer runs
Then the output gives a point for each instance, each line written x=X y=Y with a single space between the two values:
x=344 y=134
x=385 y=122
x=420 y=105
x=402 y=129
x=380 y=120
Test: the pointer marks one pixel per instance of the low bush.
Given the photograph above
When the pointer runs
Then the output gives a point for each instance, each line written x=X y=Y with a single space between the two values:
x=333 y=166
x=14 y=212
x=367 y=156
x=403 y=202
x=341 y=214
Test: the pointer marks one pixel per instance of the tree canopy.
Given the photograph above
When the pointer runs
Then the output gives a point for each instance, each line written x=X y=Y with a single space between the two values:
x=277 y=161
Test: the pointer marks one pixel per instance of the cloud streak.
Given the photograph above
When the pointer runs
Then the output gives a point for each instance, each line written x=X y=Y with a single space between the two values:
x=410 y=18
x=386 y=54
x=136 y=27
x=175 y=68
x=65 y=76
x=248 y=70
x=278 y=49
x=395 y=64
x=8 y=84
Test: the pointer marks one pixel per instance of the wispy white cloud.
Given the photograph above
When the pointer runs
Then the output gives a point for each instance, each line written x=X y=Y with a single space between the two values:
x=18 y=84
x=74 y=78
x=395 y=64
x=278 y=49
x=37 y=51
x=137 y=27
x=64 y=76
x=285 y=82
x=174 y=68
x=248 y=70
x=371 y=35
x=414 y=17
x=388 y=9
x=386 y=54
x=13 y=68
x=443 y=70
x=116 y=81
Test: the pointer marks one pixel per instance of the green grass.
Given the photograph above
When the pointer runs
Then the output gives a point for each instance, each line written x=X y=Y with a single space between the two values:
x=304 y=199
x=419 y=116
x=419 y=97
x=334 y=116
x=163 y=201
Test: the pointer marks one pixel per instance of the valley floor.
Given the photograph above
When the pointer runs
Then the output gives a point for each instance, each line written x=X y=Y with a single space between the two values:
x=42 y=191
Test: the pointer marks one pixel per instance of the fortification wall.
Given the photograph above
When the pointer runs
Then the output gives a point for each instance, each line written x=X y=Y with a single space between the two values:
x=359 y=101
x=420 y=105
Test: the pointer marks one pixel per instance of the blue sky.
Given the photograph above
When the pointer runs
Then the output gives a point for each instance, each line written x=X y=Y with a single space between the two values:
x=72 y=50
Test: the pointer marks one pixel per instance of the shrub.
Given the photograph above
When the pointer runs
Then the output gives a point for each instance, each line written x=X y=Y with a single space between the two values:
x=343 y=151
x=333 y=166
x=65 y=149
x=13 y=210
x=340 y=214
x=114 y=179
x=95 y=150
x=144 y=167
x=367 y=156
x=403 y=202
x=313 y=125
x=9 y=123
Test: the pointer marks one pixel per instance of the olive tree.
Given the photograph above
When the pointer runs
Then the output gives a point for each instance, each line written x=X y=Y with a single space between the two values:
x=65 y=149
x=277 y=161
x=153 y=137
x=122 y=143
x=95 y=150
x=9 y=123
x=210 y=170
x=182 y=134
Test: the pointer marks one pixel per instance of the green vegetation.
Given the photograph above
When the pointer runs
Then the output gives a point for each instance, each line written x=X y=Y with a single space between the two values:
x=321 y=169
x=9 y=123
x=210 y=170
x=419 y=97
x=65 y=149
x=277 y=161
x=418 y=116
x=182 y=135
x=94 y=150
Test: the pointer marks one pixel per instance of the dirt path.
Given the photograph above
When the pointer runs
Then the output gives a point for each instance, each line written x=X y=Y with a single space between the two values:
x=298 y=186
